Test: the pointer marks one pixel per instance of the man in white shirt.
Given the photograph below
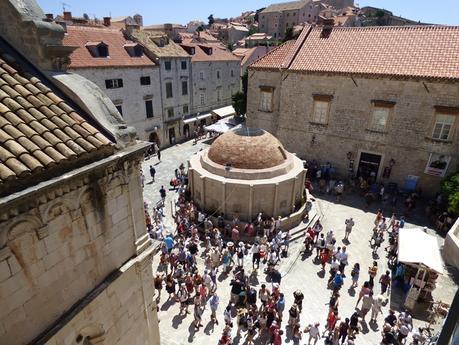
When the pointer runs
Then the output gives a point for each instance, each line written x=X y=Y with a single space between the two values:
x=349 y=224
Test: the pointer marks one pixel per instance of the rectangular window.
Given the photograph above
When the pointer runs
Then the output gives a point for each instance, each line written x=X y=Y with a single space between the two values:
x=169 y=90
x=145 y=81
x=184 y=88
x=149 y=108
x=232 y=73
x=183 y=64
x=202 y=99
x=266 y=100
x=170 y=112
x=379 y=118
x=185 y=109
x=218 y=74
x=320 y=111
x=218 y=96
x=443 y=126
x=167 y=65
x=113 y=83
x=201 y=75
x=120 y=109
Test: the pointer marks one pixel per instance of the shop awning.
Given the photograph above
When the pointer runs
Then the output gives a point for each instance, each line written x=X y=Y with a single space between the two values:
x=222 y=126
x=224 y=112
x=196 y=118
x=419 y=248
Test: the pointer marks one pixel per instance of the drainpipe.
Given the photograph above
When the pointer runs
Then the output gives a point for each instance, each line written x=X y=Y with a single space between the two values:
x=162 y=103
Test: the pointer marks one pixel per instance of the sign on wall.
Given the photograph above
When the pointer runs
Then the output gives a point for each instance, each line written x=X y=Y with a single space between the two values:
x=437 y=164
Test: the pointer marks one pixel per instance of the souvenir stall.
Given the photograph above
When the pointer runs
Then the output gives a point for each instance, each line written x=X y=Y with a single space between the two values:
x=420 y=255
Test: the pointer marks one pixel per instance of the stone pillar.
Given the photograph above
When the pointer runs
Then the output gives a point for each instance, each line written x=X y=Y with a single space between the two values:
x=250 y=202
x=293 y=194
x=276 y=202
x=223 y=208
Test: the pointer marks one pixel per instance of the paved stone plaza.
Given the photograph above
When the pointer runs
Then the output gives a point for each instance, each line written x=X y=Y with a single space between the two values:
x=298 y=271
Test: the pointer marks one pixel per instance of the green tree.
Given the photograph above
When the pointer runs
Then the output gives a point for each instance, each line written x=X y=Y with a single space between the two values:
x=288 y=34
x=211 y=19
x=450 y=188
x=240 y=98
x=253 y=30
x=239 y=103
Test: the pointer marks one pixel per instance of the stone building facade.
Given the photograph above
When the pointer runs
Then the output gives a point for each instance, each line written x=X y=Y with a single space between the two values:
x=75 y=258
x=364 y=116
x=275 y=19
x=131 y=82
x=175 y=80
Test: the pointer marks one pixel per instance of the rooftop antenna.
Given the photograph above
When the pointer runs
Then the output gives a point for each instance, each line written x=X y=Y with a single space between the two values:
x=64 y=5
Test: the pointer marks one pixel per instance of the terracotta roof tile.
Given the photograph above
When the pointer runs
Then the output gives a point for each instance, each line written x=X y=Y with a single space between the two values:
x=118 y=55
x=275 y=58
x=406 y=51
x=215 y=53
x=39 y=130
x=150 y=40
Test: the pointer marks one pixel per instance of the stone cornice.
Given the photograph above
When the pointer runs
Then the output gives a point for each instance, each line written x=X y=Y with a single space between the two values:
x=127 y=160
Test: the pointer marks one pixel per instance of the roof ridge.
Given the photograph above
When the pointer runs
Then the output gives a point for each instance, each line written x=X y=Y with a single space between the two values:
x=391 y=28
x=92 y=28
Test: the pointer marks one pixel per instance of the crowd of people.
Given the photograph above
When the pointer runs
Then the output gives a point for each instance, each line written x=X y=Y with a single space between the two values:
x=205 y=251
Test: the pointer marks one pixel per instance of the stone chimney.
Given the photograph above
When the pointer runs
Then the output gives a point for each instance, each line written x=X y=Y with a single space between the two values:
x=67 y=16
x=327 y=26
x=43 y=45
x=107 y=21
x=138 y=19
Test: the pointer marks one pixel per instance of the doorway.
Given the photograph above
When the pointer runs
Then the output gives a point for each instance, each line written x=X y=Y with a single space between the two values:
x=186 y=130
x=369 y=166
x=153 y=138
x=172 y=136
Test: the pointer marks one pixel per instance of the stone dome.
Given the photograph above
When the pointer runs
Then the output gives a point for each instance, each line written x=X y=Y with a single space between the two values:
x=247 y=148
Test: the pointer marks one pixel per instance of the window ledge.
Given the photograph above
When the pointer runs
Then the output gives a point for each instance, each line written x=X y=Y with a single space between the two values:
x=265 y=111
x=439 y=141
x=318 y=123
x=372 y=130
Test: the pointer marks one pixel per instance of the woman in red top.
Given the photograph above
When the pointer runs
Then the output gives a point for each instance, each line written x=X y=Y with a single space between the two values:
x=324 y=257
x=331 y=321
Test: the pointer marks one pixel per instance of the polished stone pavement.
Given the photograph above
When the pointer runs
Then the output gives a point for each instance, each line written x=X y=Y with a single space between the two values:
x=299 y=271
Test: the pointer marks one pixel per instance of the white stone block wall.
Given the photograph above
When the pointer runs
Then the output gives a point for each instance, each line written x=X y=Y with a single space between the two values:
x=405 y=139
x=132 y=95
x=57 y=247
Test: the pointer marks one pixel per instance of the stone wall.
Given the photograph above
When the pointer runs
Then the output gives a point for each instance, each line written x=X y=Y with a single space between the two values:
x=123 y=313
x=406 y=138
x=132 y=96
x=22 y=25
x=62 y=238
x=210 y=86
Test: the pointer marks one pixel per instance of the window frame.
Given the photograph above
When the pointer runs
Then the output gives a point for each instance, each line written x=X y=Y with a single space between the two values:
x=115 y=83
x=171 y=93
x=183 y=63
x=201 y=75
x=119 y=107
x=145 y=80
x=170 y=112
x=187 y=109
x=378 y=105
x=261 y=105
x=168 y=65
x=149 y=112
x=323 y=99
x=185 y=82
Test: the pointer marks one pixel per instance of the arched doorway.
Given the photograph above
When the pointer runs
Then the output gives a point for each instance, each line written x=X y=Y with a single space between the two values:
x=154 y=138
x=186 y=130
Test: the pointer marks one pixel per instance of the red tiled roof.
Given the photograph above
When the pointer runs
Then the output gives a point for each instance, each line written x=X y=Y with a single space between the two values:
x=41 y=135
x=275 y=58
x=218 y=54
x=405 y=51
x=118 y=56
